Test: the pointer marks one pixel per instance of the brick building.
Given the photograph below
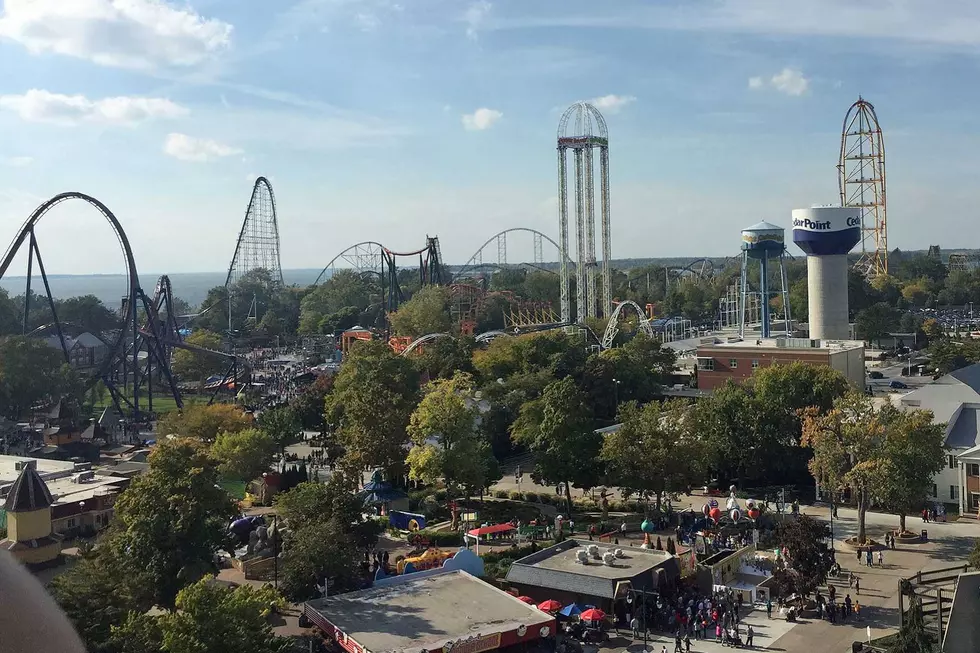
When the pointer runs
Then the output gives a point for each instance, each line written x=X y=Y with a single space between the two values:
x=719 y=361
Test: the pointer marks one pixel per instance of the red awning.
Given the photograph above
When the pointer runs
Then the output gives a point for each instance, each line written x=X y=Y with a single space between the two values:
x=492 y=530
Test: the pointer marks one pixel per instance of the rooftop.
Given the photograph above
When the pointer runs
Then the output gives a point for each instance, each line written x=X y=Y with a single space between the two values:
x=784 y=343
x=67 y=490
x=46 y=468
x=424 y=613
x=558 y=568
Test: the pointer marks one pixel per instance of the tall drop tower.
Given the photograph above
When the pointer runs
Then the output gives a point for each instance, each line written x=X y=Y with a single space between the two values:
x=827 y=234
x=861 y=177
x=766 y=243
x=583 y=131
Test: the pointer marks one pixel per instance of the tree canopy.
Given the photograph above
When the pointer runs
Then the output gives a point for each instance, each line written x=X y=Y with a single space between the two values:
x=204 y=422
x=32 y=371
x=245 y=454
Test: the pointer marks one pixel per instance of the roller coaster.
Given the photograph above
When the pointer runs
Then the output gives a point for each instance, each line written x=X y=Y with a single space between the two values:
x=139 y=352
x=476 y=263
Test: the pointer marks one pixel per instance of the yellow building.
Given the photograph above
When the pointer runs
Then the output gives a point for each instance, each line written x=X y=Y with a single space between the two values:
x=28 y=508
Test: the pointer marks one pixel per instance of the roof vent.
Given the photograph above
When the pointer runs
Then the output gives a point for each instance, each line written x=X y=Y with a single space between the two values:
x=608 y=558
x=582 y=555
x=593 y=551
x=21 y=465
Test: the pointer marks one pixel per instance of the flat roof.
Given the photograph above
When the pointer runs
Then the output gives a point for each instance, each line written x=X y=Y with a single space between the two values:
x=425 y=612
x=65 y=490
x=564 y=558
x=784 y=344
x=46 y=468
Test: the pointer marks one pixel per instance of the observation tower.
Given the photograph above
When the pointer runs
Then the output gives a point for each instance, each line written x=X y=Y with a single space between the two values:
x=827 y=234
x=582 y=130
x=766 y=243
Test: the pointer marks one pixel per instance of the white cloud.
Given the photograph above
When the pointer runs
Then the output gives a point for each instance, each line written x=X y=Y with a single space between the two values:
x=611 y=103
x=475 y=14
x=18 y=161
x=789 y=81
x=121 y=33
x=481 y=119
x=188 y=148
x=38 y=105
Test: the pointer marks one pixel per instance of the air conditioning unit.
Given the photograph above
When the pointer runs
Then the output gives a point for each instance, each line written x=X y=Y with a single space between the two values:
x=84 y=477
x=21 y=465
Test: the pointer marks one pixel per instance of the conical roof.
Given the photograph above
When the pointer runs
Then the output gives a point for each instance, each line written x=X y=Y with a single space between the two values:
x=764 y=226
x=28 y=493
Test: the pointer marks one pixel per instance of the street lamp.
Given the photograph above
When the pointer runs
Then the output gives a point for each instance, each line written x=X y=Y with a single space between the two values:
x=616 y=394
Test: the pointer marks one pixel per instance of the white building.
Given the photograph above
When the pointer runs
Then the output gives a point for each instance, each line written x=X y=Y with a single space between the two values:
x=954 y=400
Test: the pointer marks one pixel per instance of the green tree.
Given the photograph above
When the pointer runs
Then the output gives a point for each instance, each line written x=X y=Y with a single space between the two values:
x=174 y=518
x=243 y=455
x=974 y=559
x=309 y=405
x=877 y=321
x=99 y=591
x=444 y=357
x=374 y=394
x=209 y=617
x=913 y=636
x=197 y=365
x=88 y=312
x=559 y=428
x=914 y=452
x=810 y=557
x=345 y=293
x=426 y=312
x=281 y=424
x=31 y=371
x=654 y=452
x=446 y=441
x=204 y=422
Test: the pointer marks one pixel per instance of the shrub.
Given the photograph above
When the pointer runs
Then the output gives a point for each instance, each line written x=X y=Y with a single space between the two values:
x=544 y=497
x=531 y=497
x=440 y=495
x=515 y=496
x=500 y=494
x=441 y=538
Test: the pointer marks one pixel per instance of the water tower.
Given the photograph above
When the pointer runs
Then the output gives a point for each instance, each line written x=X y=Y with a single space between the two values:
x=827 y=234
x=765 y=243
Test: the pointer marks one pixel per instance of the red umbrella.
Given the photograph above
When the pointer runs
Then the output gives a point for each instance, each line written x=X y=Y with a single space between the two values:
x=592 y=614
x=526 y=599
x=550 y=605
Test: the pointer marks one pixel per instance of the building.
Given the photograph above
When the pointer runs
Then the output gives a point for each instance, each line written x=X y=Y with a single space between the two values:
x=85 y=351
x=439 y=611
x=27 y=509
x=962 y=632
x=558 y=573
x=735 y=360
x=954 y=400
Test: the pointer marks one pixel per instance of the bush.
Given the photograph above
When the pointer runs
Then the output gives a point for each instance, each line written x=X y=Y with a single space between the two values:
x=531 y=497
x=544 y=497
x=440 y=495
x=500 y=494
x=515 y=495
x=442 y=538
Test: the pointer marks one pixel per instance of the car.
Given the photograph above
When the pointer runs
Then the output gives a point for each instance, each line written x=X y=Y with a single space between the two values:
x=897 y=385
x=875 y=374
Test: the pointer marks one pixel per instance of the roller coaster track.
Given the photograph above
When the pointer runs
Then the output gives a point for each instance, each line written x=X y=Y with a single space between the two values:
x=476 y=261
x=257 y=246
x=123 y=370
x=612 y=328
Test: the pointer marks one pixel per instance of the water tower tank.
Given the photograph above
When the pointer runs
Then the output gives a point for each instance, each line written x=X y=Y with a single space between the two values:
x=763 y=240
x=827 y=234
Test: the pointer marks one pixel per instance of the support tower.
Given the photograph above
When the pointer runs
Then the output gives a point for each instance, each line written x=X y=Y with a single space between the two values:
x=583 y=131
x=861 y=177
x=766 y=243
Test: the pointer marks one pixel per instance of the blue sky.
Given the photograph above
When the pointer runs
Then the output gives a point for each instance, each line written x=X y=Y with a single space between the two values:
x=392 y=119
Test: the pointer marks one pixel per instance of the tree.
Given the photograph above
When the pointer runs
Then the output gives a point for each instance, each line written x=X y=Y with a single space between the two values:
x=204 y=422
x=31 y=371
x=444 y=357
x=281 y=424
x=426 y=312
x=810 y=558
x=912 y=636
x=344 y=294
x=654 y=453
x=243 y=455
x=974 y=559
x=914 y=452
x=209 y=617
x=849 y=446
x=448 y=416
x=309 y=405
x=932 y=329
x=374 y=395
x=326 y=531
x=88 y=312
x=98 y=592
x=195 y=365
x=559 y=428
x=877 y=321
x=174 y=518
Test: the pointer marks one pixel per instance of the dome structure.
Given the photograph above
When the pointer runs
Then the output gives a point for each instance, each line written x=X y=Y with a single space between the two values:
x=582 y=125
x=28 y=493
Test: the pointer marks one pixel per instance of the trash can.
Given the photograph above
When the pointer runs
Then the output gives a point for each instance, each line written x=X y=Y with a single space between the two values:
x=924 y=535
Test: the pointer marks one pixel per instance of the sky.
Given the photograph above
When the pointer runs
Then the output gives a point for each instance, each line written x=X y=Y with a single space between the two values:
x=390 y=120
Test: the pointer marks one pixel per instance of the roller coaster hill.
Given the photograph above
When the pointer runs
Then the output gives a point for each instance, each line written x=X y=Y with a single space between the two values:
x=133 y=358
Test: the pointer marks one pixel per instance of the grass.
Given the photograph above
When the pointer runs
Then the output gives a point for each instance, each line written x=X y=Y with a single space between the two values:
x=161 y=403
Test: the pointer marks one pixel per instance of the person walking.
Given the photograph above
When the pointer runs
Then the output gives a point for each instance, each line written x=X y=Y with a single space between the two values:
x=881 y=558
x=677 y=643
x=859 y=555
x=635 y=625
x=870 y=558
x=749 y=634
x=847 y=605
x=768 y=608
x=687 y=643
x=857 y=586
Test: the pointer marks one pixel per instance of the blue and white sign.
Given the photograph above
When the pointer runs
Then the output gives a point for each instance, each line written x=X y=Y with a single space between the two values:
x=827 y=230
